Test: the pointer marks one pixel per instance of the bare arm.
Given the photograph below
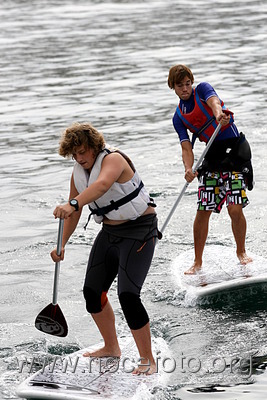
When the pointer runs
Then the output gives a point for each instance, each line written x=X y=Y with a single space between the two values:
x=114 y=168
x=188 y=160
x=69 y=225
x=215 y=104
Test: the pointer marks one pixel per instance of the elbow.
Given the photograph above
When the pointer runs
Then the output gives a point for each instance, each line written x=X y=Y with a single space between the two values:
x=102 y=188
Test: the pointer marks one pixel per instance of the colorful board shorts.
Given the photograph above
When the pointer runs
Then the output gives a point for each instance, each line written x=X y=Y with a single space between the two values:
x=217 y=188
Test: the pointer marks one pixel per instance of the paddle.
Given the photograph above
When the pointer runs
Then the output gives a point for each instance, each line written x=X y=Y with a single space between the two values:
x=194 y=170
x=51 y=319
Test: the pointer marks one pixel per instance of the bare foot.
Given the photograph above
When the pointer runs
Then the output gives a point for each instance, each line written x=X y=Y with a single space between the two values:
x=194 y=269
x=145 y=368
x=244 y=258
x=104 y=352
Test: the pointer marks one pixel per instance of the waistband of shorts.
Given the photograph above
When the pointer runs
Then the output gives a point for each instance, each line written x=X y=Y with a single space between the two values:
x=141 y=228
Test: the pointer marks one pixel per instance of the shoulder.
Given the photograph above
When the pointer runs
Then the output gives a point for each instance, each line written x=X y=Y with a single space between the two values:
x=205 y=91
x=113 y=158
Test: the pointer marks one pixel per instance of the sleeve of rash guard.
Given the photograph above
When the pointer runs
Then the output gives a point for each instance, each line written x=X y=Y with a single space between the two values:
x=180 y=128
x=205 y=91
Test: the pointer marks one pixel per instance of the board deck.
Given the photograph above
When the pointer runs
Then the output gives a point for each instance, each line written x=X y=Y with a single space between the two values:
x=221 y=272
x=90 y=378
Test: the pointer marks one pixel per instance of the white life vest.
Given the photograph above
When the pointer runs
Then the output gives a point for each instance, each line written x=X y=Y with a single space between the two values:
x=132 y=193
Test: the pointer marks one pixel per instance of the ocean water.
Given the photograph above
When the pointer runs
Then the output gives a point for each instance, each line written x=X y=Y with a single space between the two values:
x=107 y=63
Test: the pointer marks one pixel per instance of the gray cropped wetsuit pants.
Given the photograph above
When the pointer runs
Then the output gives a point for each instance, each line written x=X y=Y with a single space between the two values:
x=125 y=251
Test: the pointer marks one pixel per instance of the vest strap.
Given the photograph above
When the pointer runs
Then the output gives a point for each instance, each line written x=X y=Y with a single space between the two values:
x=114 y=205
x=205 y=126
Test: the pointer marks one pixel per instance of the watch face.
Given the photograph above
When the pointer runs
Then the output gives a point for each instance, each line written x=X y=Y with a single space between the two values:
x=74 y=203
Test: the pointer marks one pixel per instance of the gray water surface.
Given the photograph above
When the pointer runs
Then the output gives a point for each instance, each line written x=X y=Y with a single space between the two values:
x=108 y=63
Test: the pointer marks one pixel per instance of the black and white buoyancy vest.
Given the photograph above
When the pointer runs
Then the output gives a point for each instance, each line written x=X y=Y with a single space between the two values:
x=123 y=201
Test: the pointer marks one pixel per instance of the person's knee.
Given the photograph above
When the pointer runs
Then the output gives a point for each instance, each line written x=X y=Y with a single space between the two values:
x=235 y=211
x=203 y=215
x=133 y=309
x=94 y=302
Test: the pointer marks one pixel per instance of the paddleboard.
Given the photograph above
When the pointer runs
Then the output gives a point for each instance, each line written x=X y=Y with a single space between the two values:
x=81 y=378
x=221 y=273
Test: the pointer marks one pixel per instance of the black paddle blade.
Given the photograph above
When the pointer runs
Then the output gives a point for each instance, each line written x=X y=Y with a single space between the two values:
x=52 y=321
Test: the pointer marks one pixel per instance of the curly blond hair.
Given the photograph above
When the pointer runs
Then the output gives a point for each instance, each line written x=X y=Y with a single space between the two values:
x=79 y=134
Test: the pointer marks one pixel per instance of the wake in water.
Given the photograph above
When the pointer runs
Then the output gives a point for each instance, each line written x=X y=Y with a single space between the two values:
x=220 y=267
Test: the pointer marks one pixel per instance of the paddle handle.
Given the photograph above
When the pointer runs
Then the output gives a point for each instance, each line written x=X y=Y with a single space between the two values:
x=57 y=264
x=201 y=158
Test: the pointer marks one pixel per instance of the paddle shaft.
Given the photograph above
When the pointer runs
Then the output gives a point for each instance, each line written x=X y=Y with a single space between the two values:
x=201 y=158
x=57 y=264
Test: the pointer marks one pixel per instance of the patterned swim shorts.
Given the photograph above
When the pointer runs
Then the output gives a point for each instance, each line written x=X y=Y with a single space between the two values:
x=216 y=188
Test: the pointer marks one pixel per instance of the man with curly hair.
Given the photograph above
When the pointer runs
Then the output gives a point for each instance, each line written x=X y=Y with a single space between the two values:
x=105 y=179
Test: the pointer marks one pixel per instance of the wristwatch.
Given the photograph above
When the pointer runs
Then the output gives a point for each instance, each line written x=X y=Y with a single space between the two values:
x=74 y=203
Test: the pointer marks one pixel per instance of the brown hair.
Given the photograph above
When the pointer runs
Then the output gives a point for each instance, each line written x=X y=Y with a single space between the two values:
x=79 y=134
x=178 y=73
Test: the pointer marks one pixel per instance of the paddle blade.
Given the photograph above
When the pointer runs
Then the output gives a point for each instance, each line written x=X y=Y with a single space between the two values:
x=52 y=321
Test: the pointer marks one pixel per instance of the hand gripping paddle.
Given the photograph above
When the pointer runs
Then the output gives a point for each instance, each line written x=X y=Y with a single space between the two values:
x=51 y=319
